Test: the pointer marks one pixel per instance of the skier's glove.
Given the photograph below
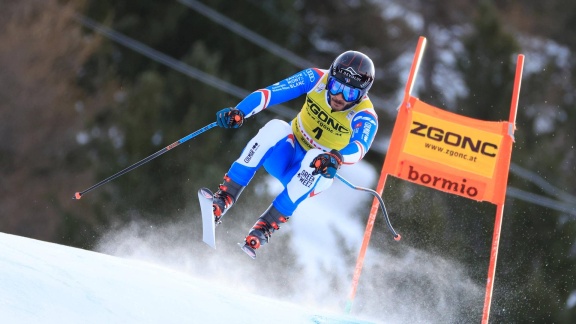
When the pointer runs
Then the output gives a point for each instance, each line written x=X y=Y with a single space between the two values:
x=326 y=164
x=230 y=118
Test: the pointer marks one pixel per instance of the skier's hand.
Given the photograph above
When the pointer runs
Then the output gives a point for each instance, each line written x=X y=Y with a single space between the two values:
x=326 y=164
x=230 y=118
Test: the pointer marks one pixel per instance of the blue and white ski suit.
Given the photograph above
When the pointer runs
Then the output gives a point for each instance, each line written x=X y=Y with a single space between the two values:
x=287 y=149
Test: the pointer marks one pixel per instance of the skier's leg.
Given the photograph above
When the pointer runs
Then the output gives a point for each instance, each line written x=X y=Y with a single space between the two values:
x=265 y=225
x=228 y=192
x=273 y=134
x=299 y=184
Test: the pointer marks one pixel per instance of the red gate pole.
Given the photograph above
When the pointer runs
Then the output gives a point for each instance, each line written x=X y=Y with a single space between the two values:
x=500 y=207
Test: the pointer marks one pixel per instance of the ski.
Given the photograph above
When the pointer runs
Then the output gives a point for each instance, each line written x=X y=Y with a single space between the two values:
x=206 y=197
x=246 y=248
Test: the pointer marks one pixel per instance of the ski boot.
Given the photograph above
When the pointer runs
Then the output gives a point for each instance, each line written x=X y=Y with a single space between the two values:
x=227 y=194
x=262 y=230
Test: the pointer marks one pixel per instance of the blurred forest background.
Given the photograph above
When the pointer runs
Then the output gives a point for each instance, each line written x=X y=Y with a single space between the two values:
x=77 y=105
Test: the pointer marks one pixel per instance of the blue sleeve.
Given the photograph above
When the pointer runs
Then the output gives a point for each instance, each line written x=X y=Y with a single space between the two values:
x=364 y=128
x=285 y=90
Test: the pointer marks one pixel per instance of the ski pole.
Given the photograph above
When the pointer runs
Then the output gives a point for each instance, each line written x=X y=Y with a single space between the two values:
x=79 y=194
x=397 y=236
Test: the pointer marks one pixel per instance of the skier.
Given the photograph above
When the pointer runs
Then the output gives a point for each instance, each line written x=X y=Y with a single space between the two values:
x=336 y=126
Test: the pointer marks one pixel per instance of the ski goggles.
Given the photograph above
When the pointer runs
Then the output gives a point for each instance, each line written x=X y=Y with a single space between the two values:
x=349 y=93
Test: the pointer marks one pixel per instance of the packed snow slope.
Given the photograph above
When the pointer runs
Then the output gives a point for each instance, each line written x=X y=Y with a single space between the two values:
x=142 y=272
x=43 y=282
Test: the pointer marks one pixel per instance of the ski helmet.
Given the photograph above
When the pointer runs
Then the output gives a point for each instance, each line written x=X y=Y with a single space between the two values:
x=354 y=69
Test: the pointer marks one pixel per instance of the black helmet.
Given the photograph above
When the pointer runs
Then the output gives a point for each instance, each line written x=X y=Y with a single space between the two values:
x=354 y=69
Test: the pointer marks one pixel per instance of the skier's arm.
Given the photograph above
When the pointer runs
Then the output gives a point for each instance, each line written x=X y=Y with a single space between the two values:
x=364 y=127
x=285 y=90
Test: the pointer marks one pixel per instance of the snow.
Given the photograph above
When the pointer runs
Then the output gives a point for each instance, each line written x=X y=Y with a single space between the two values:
x=147 y=281
x=145 y=273
x=48 y=283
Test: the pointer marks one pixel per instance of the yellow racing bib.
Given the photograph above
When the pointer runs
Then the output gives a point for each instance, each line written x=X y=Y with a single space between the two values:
x=317 y=126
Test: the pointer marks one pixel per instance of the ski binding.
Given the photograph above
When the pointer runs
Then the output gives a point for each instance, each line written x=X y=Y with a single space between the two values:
x=249 y=250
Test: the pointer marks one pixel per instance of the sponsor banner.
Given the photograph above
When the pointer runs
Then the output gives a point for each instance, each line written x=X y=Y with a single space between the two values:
x=453 y=144
x=450 y=152
x=443 y=181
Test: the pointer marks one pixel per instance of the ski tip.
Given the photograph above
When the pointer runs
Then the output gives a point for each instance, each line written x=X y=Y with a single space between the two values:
x=398 y=237
x=205 y=192
x=250 y=251
x=77 y=196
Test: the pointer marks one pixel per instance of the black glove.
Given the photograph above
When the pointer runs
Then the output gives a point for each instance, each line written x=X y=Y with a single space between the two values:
x=326 y=164
x=230 y=118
